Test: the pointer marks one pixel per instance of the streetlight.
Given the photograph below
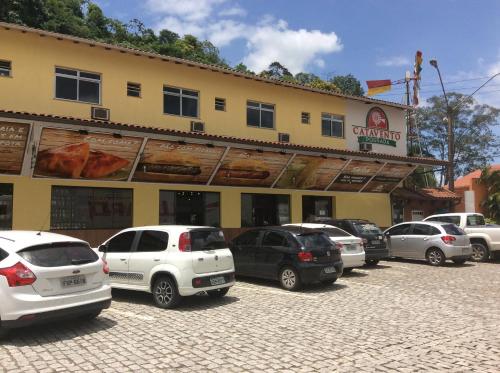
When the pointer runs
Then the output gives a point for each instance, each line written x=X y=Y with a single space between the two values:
x=451 y=140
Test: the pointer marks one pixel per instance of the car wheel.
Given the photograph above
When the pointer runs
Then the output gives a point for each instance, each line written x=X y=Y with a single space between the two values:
x=459 y=261
x=435 y=257
x=371 y=262
x=91 y=315
x=347 y=270
x=479 y=252
x=165 y=293
x=218 y=293
x=289 y=279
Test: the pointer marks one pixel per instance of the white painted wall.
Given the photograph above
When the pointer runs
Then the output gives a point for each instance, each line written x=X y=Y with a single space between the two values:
x=470 y=201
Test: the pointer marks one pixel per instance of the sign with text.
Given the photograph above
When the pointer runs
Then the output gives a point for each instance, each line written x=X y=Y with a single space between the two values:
x=388 y=178
x=355 y=176
x=13 y=139
x=376 y=130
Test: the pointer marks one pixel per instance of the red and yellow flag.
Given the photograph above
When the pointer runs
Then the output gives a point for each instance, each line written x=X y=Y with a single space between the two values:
x=376 y=87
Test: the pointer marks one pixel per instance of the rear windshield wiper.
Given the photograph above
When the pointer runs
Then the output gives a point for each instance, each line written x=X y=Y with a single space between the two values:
x=81 y=261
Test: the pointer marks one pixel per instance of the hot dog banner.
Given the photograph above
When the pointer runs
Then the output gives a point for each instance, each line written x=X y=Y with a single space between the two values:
x=13 y=140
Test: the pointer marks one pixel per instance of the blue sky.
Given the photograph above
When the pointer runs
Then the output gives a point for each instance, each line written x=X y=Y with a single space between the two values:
x=372 y=39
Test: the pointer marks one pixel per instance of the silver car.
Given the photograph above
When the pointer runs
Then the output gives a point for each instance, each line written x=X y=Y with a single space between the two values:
x=434 y=241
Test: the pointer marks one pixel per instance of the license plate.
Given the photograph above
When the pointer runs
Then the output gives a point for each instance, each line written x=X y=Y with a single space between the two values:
x=73 y=281
x=217 y=280
x=375 y=242
x=330 y=270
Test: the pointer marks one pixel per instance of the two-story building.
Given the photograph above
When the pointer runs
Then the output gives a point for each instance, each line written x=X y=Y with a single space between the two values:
x=97 y=137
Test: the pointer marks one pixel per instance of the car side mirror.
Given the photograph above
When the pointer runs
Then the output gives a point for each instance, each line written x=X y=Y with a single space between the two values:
x=103 y=248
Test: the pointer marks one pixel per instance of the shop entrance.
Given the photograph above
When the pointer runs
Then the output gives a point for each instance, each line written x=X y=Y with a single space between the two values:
x=189 y=208
x=316 y=207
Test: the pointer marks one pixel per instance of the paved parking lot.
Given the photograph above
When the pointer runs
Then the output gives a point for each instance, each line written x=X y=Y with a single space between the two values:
x=402 y=315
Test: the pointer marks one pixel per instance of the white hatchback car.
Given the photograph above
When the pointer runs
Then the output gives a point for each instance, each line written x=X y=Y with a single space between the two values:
x=47 y=276
x=351 y=247
x=170 y=261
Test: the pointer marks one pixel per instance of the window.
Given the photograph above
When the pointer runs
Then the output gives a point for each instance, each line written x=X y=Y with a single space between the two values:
x=417 y=215
x=334 y=232
x=312 y=241
x=365 y=227
x=152 y=241
x=220 y=104
x=122 y=243
x=332 y=125
x=190 y=208
x=3 y=255
x=424 y=230
x=260 y=115
x=180 y=101
x=455 y=219
x=274 y=239
x=248 y=238
x=400 y=230
x=316 y=207
x=5 y=68
x=475 y=220
x=207 y=239
x=59 y=254
x=305 y=118
x=264 y=209
x=453 y=229
x=78 y=86
x=6 y=193
x=90 y=208
x=133 y=89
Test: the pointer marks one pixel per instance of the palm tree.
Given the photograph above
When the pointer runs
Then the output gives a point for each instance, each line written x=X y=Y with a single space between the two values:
x=491 y=179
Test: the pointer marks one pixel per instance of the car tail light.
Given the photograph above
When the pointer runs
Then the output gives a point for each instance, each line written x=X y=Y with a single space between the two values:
x=448 y=239
x=18 y=275
x=184 y=242
x=339 y=247
x=105 y=267
x=305 y=256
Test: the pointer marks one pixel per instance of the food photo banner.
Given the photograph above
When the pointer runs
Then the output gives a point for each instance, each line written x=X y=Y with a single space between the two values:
x=82 y=155
x=13 y=140
x=388 y=178
x=355 y=176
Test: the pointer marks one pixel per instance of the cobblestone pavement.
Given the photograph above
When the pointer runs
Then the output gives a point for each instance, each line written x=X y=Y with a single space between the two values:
x=399 y=316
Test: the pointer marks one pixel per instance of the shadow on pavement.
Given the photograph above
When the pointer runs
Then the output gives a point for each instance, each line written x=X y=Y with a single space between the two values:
x=354 y=274
x=306 y=288
x=423 y=262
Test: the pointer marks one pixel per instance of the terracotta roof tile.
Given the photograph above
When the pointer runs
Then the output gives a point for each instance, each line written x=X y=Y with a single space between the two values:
x=438 y=193
x=466 y=180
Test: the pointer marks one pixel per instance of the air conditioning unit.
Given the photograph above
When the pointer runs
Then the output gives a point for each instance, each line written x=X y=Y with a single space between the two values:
x=99 y=113
x=365 y=147
x=283 y=137
x=197 y=126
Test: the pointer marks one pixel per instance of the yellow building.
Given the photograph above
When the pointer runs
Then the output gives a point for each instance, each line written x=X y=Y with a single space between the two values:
x=96 y=137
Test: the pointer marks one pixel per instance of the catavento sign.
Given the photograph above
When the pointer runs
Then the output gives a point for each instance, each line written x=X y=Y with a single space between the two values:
x=376 y=130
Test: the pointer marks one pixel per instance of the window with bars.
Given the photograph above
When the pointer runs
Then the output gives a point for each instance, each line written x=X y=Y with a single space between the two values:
x=180 y=101
x=220 y=104
x=305 y=118
x=133 y=89
x=332 y=125
x=78 y=85
x=260 y=114
x=5 y=68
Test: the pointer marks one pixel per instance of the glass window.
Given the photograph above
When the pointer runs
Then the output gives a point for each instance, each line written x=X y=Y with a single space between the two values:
x=260 y=115
x=133 y=89
x=399 y=230
x=90 y=208
x=248 y=238
x=311 y=241
x=274 y=239
x=78 y=86
x=367 y=228
x=421 y=230
x=180 y=101
x=264 y=209
x=220 y=104
x=59 y=254
x=190 y=208
x=207 y=239
x=152 y=241
x=454 y=219
x=305 y=118
x=3 y=255
x=334 y=232
x=475 y=220
x=332 y=125
x=5 y=68
x=6 y=193
x=121 y=243
x=453 y=229
x=314 y=207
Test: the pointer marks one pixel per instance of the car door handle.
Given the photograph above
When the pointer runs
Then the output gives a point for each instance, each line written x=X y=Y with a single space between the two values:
x=123 y=259
x=403 y=238
x=426 y=238
x=156 y=260
x=200 y=259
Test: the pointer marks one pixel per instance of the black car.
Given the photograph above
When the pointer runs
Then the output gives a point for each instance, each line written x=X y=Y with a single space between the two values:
x=291 y=255
x=372 y=235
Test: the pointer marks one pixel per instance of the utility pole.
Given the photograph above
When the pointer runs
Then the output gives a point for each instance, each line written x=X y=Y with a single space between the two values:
x=409 y=139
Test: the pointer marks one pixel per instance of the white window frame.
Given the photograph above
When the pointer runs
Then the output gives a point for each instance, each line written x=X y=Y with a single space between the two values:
x=8 y=71
x=258 y=105
x=181 y=94
x=417 y=213
x=78 y=78
x=333 y=118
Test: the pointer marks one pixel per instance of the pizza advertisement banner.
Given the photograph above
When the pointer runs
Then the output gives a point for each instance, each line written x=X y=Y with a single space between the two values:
x=355 y=176
x=244 y=167
x=171 y=162
x=13 y=140
x=80 y=155
x=309 y=172
x=388 y=178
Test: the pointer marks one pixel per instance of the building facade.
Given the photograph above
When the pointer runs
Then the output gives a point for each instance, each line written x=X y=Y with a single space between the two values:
x=96 y=137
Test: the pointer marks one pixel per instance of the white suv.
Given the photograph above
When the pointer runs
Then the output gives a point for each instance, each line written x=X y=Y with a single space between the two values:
x=170 y=261
x=47 y=276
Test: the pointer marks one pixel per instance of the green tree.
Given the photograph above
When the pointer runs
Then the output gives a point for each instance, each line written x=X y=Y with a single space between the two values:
x=277 y=71
x=348 y=85
x=24 y=12
x=491 y=179
x=324 y=85
x=242 y=68
x=306 y=78
x=475 y=145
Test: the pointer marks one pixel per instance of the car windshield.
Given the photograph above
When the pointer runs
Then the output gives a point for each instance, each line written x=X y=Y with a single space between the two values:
x=453 y=229
x=59 y=254
x=475 y=220
x=366 y=228
x=207 y=239
x=334 y=232
x=314 y=240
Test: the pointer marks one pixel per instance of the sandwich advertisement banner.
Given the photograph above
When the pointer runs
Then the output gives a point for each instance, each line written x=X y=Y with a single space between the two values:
x=355 y=176
x=243 y=167
x=81 y=155
x=309 y=172
x=170 y=162
x=387 y=179
x=13 y=139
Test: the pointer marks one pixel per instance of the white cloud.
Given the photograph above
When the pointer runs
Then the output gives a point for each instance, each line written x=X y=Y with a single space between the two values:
x=395 y=61
x=267 y=41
